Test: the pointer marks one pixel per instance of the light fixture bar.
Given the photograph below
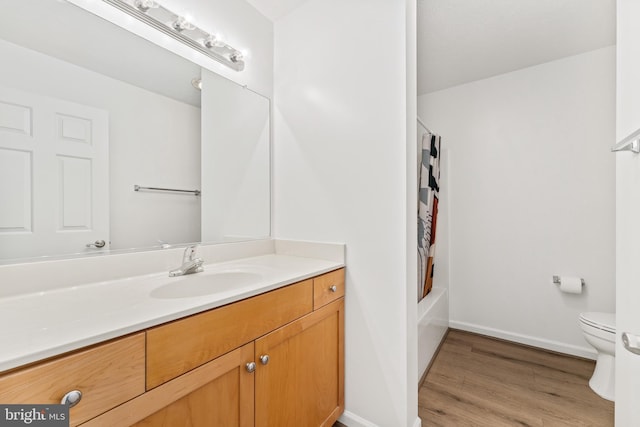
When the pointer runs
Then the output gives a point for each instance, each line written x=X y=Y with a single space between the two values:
x=176 y=27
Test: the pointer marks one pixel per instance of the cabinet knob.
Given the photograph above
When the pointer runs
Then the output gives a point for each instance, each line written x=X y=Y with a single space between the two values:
x=251 y=367
x=333 y=288
x=72 y=398
x=264 y=359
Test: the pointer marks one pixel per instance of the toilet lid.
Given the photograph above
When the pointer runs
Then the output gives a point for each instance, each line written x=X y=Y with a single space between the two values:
x=604 y=321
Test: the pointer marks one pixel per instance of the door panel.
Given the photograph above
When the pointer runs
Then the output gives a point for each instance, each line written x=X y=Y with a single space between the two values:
x=302 y=383
x=74 y=195
x=627 y=213
x=15 y=187
x=219 y=393
x=214 y=404
x=54 y=175
x=15 y=118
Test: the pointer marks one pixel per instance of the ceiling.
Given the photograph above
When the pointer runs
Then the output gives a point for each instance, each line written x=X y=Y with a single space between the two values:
x=460 y=41
x=275 y=9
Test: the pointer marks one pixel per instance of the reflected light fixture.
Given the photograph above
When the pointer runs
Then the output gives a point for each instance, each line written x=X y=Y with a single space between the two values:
x=180 y=28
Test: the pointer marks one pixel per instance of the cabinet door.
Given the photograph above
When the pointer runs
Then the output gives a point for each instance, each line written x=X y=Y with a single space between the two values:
x=217 y=394
x=302 y=383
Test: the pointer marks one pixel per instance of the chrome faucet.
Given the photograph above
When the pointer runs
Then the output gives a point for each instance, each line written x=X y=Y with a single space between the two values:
x=190 y=264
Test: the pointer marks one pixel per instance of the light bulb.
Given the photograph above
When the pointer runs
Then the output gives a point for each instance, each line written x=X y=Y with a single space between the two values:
x=182 y=24
x=214 y=41
x=145 y=5
x=236 y=56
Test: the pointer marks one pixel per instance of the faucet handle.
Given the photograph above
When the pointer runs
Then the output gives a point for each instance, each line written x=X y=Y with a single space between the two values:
x=190 y=253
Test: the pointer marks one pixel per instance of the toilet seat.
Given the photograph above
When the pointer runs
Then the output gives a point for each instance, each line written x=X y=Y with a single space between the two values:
x=603 y=321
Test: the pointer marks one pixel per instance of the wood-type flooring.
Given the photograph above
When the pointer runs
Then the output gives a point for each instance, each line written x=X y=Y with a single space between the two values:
x=479 y=381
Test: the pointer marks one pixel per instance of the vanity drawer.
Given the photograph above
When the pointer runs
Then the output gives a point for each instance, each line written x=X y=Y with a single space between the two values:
x=179 y=346
x=107 y=375
x=328 y=287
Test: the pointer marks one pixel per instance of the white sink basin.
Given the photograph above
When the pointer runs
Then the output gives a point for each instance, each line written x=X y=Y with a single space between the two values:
x=199 y=284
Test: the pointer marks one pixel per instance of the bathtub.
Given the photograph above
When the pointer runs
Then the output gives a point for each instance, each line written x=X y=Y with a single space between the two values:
x=433 y=322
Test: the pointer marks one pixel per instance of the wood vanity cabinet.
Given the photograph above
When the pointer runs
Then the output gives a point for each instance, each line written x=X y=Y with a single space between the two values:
x=218 y=393
x=275 y=359
x=107 y=375
x=302 y=381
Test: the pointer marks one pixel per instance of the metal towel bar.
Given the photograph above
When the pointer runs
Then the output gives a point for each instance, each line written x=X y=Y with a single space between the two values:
x=194 y=192
x=630 y=143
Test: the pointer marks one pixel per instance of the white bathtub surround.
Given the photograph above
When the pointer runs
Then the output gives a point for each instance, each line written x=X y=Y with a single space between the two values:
x=433 y=323
x=47 y=320
x=531 y=196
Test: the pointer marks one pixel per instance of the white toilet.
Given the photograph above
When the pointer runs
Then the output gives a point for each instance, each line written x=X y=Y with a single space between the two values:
x=600 y=331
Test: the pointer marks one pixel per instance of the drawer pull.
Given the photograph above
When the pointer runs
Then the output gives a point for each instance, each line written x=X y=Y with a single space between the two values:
x=72 y=398
x=251 y=367
x=333 y=288
x=264 y=359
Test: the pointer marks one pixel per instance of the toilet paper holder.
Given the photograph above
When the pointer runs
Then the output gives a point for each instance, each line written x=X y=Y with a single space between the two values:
x=556 y=280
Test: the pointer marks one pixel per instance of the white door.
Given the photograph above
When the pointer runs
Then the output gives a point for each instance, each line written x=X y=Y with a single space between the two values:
x=54 y=184
x=627 y=214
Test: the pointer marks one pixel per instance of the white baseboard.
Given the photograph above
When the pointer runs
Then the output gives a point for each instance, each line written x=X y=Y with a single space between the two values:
x=352 y=420
x=574 y=350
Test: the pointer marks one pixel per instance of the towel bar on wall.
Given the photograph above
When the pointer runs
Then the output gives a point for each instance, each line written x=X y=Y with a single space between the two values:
x=630 y=143
x=194 y=192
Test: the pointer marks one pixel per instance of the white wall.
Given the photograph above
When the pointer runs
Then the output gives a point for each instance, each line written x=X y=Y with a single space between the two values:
x=531 y=195
x=627 y=212
x=340 y=174
x=143 y=130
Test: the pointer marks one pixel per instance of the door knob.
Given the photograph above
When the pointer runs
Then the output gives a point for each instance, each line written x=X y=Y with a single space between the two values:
x=97 y=244
x=264 y=359
x=631 y=342
x=333 y=288
x=251 y=366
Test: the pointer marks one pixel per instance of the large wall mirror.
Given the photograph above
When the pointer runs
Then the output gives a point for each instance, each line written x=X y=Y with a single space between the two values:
x=89 y=110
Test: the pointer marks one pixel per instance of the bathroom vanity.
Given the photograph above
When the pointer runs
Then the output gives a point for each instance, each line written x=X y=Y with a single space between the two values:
x=261 y=354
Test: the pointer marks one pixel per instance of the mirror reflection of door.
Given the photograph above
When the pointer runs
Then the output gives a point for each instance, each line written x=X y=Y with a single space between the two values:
x=43 y=138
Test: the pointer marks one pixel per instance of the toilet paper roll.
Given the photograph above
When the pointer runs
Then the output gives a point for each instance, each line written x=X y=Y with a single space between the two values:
x=571 y=285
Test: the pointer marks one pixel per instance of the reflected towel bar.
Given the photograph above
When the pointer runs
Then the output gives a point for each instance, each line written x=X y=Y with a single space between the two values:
x=630 y=143
x=194 y=192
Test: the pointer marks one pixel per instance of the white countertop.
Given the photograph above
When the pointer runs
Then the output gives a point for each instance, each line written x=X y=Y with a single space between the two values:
x=39 y=325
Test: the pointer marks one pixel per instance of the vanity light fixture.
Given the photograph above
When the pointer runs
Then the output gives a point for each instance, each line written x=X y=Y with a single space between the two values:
x=180 y=28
